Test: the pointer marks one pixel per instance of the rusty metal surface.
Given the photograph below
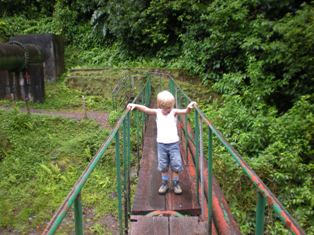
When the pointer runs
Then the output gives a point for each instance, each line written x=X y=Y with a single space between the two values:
x=11 y=56
x=17 y=55
x=187 y=225
x=149 y=225
x=164 y=225
x=192 y=171
x=222 y=216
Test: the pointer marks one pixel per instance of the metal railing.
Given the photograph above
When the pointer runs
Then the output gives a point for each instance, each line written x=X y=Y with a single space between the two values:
x=74 y=197
x=128 y=85
x=264 y=195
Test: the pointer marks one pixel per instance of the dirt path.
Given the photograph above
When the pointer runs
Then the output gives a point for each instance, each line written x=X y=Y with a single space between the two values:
x=100 y=117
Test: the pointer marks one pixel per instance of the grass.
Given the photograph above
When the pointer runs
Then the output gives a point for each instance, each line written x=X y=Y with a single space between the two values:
x=41 y=158
x=44 y=158
x=60 y=96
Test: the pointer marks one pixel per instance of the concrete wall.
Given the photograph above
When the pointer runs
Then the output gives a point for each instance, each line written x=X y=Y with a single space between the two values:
x=4 y=84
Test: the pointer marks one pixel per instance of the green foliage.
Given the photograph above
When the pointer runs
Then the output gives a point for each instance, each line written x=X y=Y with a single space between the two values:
x=62 y=95
x=45 y=158
x=26 y=7
x=257 y=58
x=98 y=229
x=83 y=8
x=63 y=22
x=3 y=31
x=38 y=8
x=109 y=56
x=145 y=27
x=212 y=46
x=257 y=54
x=67 y=21
x=4 y=145
x=95 y=56
x=22 y=25
x=264 y=105
x=296 y=52
x=278 y=148
x=58 y=96
x=114 y=117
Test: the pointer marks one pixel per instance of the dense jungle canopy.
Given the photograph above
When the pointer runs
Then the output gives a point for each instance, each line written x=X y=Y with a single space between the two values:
x=258 y=56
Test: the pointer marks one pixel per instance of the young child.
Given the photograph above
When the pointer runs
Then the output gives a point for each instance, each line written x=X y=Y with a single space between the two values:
x=167 y=137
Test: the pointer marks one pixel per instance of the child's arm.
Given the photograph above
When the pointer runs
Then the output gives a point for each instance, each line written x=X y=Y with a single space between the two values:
x=187 y=109
x=141 y=108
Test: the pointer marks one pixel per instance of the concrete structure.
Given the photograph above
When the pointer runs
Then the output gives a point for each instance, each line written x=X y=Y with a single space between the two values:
x=52 y=47
x=26 y=62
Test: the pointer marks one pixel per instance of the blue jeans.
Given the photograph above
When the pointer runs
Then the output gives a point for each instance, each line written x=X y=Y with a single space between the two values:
x=169 y=155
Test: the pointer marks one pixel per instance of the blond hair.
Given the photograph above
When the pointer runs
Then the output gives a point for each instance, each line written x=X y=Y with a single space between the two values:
x=165 y=100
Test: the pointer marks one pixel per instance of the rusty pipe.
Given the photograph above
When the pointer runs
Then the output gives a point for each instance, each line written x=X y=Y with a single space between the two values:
x=17 y=56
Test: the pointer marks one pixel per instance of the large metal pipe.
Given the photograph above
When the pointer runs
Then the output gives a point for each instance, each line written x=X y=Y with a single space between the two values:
x=17 y=56
x=24 y=78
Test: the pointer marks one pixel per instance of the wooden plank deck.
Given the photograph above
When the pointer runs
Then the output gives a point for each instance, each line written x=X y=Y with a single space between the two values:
x=162 y=225
x=146 y=197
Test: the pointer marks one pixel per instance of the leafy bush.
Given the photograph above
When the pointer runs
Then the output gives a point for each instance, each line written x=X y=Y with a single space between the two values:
x=114 y=117
x=22 y=25
x=258 y=55
x=145 y=27
x=278 y=148
x=27 y=8
x=235 y=38
x=63 y=22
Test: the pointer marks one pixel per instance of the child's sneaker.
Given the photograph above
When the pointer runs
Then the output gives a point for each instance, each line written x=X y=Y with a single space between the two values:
x=163 y=188
x=177 y=188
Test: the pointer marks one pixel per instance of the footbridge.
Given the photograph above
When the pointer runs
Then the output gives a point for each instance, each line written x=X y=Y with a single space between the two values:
x=201 y=209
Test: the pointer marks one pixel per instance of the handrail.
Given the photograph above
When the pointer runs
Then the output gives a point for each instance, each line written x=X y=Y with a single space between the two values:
x=264 y=193
x=74 y=194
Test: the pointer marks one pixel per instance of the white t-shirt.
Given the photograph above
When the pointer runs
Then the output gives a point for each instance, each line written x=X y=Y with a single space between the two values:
x=167 y=131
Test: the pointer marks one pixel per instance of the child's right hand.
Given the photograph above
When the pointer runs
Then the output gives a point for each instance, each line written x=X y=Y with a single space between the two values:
x=131 y=106
x=193 y=104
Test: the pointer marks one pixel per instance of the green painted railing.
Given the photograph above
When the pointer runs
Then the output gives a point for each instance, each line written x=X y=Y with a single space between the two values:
x=74 y=197
x=264 y=195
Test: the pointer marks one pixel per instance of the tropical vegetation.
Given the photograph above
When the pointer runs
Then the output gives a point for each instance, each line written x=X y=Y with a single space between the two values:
x=257 y=55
